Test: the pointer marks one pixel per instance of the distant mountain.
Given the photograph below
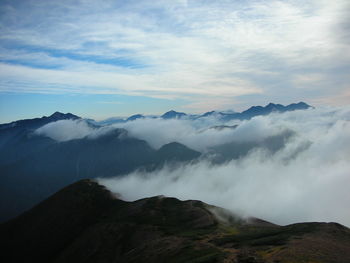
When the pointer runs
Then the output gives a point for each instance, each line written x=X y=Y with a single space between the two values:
x=176 y=152
x=212 y=114
x=37 y=122
x=14 y=132
x=223 y=115
x=238 y=149
x=33 y=166
x=256 y=111
x=259 y=110
x=135 y=117
x=84 y=222
x=109 y=121
x=173 y=115
x=37 y=166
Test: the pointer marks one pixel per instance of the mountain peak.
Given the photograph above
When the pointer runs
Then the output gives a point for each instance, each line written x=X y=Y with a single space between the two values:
x=59 y=116
x=173 y=115
x=303 y=104
x=56 y=114
x=135 y=117
x=298 y=106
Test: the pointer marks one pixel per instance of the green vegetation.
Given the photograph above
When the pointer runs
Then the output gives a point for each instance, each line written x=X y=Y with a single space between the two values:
x=265 y=236
x=195 y=255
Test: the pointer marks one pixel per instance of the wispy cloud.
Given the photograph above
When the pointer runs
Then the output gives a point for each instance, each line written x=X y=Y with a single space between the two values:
x=177 y=49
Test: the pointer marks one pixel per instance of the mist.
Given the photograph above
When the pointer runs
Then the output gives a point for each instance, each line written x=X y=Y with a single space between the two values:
x=306 y=180
x=199 y=134
x=66 y=130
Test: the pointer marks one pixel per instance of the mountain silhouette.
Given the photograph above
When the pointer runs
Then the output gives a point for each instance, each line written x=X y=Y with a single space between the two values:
x=173 y=115
x=84 y=222
x=40 y=166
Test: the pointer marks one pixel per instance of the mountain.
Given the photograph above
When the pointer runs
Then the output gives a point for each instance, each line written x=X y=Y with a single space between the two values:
x=10 y=132
x=256 y=111
x=135 y=117
x=37 y=122
x=176 y=152
x=109 y=121
x=40 y=166
x=224 y=115
x=212 y=113
x=259 y=110
x=33 y=166
x=173 y=115
x=239 y=149
x=84 y=222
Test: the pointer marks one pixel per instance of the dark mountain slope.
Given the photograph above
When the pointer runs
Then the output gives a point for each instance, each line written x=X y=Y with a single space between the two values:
x=271 y=107
x=176 y=152
x=173 y=115
x=235 y=150
x=85 y=223
x=135 y=117
x=51 y=165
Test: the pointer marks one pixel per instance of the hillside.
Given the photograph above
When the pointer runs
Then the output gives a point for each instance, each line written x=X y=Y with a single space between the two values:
x=84 y=222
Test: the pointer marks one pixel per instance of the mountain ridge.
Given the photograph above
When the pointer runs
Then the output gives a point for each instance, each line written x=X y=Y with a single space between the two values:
x=37 y=122
x=224 y=115
x=85 y=222
x=172 y=114
x=43 y=166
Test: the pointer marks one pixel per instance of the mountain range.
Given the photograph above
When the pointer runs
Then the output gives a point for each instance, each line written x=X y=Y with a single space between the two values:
x=33 y=166
x=52 y=212
x=223 y=115
x=84 y=222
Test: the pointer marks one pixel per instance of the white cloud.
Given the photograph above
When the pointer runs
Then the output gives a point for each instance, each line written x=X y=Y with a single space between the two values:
x=65 y=130
x=306 y=180
x=289 y=186
x=179 y=48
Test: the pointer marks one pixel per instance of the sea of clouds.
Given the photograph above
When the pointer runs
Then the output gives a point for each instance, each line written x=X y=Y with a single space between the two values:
x=305 y=180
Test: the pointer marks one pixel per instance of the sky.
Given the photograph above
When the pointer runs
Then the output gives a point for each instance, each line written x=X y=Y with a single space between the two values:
x=99 y=59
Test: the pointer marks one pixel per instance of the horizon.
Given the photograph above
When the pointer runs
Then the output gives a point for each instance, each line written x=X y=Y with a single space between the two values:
x=230 y=111
x=122 y=58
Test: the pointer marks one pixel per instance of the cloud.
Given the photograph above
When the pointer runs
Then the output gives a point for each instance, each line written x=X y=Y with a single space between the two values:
x=65 y=130
x=199 y=134
x=306 y=180
x=193 y=50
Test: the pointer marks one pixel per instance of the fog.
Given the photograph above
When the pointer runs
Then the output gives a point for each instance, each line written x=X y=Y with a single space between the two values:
x=200 y=134
x=306 y=180
x=65 y=130
x=197 y=134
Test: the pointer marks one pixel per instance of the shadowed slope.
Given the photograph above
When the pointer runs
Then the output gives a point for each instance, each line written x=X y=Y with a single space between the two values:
x=84 y=222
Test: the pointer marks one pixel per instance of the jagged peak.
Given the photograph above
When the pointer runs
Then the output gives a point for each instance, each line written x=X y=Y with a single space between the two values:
x=173 y=114
x=58 y=115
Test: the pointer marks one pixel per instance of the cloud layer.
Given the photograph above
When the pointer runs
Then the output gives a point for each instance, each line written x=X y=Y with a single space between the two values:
x=65 y=130
x=199 y=134
x=207 y=53
x=306 y=180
